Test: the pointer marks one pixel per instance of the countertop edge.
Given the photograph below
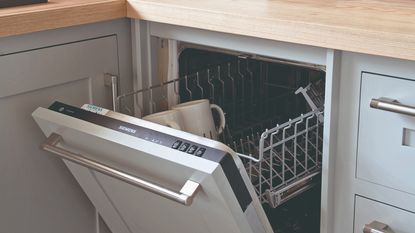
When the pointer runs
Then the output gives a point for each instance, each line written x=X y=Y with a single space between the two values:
x=28 y=21
x=65 y=13
x=388 y=44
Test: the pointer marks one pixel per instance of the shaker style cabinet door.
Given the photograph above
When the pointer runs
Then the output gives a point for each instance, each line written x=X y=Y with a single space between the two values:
x=386 y=142
x=37 y=192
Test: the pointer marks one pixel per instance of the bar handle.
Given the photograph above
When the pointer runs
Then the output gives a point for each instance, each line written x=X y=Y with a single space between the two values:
x=184 y=196
x=377 y=227
x=392 y=105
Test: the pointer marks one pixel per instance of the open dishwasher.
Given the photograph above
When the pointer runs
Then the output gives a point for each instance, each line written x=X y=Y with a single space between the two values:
x=261 y=174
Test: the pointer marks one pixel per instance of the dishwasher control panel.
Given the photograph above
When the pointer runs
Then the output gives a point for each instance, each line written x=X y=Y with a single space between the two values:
x=188 y=148
x=138 y=131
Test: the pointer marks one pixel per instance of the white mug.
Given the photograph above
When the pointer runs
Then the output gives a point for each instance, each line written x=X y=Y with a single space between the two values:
x=198 y=119
x=170 y=118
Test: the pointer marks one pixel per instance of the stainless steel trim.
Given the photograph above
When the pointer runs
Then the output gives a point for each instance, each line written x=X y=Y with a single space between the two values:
x=377 y=227
x=184 y=196
x=392 y=105
x=111 y=80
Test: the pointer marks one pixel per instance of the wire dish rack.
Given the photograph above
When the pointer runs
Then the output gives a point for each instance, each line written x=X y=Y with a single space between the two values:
x=282 y=156
x=289 y=159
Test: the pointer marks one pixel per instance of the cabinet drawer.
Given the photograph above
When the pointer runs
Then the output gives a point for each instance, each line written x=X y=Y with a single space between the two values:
x=386 y=140
x=367 y=211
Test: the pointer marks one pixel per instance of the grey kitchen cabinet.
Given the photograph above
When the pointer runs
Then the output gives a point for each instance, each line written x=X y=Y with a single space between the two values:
x=37 y=192
x=374 y=156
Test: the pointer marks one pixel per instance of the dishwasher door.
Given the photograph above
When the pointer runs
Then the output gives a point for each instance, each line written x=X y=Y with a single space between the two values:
x=140 y=184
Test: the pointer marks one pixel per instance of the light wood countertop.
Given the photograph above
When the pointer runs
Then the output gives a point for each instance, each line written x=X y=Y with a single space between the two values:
x=379 y=27
x=58 y=14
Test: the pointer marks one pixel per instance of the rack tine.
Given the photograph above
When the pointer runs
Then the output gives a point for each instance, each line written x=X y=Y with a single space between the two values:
x=222 y=83
x=295 y=144
x=199 y=86
x=233 y=93
x=242 y=146
x=251 y=83
x=187 y=88
x=250 y=145
x=212 y=87
x=242 y=79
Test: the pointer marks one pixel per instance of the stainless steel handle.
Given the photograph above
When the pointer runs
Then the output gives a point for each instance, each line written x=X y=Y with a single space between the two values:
x=377 y=227
x=184 y=197
x=392 y=105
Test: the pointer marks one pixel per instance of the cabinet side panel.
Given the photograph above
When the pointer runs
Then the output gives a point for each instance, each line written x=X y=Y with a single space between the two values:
x=38 y=193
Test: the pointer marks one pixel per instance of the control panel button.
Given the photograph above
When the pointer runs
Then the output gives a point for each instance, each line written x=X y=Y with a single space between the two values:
x=184 y=147
x=200 y=152
x=192 y=149
x=176 y=144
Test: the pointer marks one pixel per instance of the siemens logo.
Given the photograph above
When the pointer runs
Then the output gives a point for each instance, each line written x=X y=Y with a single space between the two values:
x=126 y=129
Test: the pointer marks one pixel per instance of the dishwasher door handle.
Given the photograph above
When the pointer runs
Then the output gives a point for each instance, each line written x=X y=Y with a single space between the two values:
x=392 y=105
x=184 y=196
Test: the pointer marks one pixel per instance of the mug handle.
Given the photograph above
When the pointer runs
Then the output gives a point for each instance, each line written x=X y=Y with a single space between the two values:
x=221 y=116
x=173 y=125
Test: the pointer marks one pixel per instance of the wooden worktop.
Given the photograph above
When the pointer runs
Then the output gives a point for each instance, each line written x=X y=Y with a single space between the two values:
x=379 y=27
x=376 y=27
x=58 y=14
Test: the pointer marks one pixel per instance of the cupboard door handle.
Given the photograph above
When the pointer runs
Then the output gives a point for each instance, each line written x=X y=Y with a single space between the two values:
x=184 y=197
x=377 y=227
x=392 y=105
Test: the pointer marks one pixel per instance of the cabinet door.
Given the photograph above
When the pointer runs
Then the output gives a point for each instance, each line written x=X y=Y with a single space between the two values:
x=37 y=192
x=386 y=143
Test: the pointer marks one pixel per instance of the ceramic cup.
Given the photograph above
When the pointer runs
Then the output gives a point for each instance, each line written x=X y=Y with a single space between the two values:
x=170 y=118
x=198 y=119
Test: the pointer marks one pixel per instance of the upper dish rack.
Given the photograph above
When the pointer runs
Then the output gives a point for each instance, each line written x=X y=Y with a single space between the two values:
x=280 y=147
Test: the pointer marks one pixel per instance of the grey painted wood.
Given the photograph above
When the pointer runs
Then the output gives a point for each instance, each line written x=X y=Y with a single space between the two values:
x=386 y=152
x=346 y=184
x=38 y=193
x=331 y=110
x=398 y=220
x=119 y=28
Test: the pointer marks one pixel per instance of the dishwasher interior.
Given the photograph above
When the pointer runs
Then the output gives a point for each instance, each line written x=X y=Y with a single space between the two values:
x=274 y=121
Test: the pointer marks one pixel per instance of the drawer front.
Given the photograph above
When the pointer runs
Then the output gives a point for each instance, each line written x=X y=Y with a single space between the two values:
x=367 y=211
x=386 y=140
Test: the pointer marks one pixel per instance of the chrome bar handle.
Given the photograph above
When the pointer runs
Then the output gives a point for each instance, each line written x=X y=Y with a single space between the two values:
x=184 y=197
x=377 y=227
x=392 y=105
